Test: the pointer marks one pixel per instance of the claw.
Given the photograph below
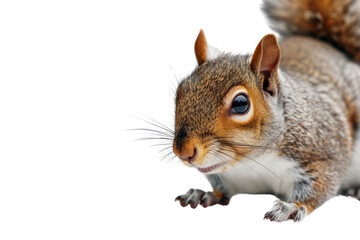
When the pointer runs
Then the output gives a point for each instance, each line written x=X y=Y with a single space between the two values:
x=194 y=197
x=193 y=204
x=182 y=201
x=224 y=201
x=282 y=211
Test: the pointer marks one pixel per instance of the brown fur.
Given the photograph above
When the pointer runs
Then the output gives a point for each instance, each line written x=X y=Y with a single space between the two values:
x=335 y=21
x=207 y=90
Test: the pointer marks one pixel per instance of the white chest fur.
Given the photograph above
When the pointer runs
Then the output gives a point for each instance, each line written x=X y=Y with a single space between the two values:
x=268 y=173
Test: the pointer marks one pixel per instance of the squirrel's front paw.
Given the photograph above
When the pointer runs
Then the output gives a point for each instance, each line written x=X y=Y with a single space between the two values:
x=282 y=211
x=205 y=199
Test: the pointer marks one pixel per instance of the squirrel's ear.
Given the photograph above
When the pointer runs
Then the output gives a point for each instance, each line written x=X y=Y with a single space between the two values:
x=265 y=60
x=203 y=50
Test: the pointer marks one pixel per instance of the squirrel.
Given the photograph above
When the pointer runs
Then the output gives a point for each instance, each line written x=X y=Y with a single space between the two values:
x=281 y=121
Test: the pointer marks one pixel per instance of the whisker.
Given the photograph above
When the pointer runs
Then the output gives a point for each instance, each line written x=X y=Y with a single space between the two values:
x=160 y=124
x=158 y=132
x=244 y=163
x=173 y=90
x=236 y=144
x=176 y=78
x=260 y=164
x=164 y=149
x=275 y=142
x=171 y=158
x=148 y=130
x=161 y=144
x=156 y=124
x=166 y=155
x=155 y=135
x=243 y=155
x=172 y=96
x=154 y=138
x=217 y=150
x=217 y=155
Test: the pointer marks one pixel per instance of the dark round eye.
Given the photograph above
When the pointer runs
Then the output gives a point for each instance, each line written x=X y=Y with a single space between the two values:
x=240 y=105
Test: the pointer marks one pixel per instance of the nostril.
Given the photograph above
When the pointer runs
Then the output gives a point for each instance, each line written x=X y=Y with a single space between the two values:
x=190 y=158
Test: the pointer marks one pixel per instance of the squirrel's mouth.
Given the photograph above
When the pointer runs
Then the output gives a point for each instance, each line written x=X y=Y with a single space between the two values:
x=211 y=168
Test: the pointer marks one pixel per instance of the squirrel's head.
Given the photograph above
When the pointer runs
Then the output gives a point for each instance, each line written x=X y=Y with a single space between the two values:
x=224 y=107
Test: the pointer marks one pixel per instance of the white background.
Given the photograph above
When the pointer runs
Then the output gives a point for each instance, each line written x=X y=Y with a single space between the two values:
x=73 y=74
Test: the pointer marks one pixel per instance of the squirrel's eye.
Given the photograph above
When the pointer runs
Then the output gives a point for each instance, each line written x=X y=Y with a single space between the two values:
x=240 y=105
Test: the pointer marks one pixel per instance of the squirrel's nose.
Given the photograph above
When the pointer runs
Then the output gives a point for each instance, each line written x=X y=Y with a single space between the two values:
x=186 y=152
x=184 y=146
x=188 y=156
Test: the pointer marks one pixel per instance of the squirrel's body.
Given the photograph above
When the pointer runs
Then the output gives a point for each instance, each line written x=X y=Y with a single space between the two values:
x=332 y=84
x=306 y=75
x=255 y=124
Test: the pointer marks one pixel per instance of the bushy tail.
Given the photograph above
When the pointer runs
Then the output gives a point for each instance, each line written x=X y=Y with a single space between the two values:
x=335 y=21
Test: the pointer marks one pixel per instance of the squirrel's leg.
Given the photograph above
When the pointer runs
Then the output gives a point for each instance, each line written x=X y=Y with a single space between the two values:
x=351 y=192
x=307 y=194
x=194 y=197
